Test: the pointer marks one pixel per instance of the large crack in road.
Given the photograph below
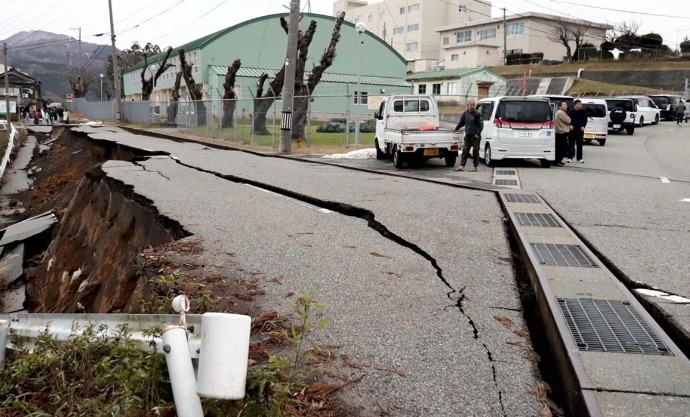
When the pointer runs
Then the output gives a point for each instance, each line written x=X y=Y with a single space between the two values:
x=456 y=296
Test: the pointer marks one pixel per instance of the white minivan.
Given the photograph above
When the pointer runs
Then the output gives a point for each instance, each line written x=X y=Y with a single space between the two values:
x=597 y=120
x=517 y=128
x=648 y=112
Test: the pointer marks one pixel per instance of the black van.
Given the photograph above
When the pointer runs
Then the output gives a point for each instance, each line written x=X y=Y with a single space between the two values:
x=667 y=104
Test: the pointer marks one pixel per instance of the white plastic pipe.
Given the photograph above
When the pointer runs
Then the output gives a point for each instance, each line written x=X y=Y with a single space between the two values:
x=4 y=329
x=223 y=356
x=181 y=371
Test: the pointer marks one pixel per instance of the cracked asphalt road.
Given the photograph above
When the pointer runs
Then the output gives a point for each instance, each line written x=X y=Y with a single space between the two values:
x=429 y=353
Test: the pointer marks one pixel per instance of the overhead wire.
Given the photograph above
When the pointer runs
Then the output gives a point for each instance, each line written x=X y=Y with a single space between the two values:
x=152 y=17
x=190 y=22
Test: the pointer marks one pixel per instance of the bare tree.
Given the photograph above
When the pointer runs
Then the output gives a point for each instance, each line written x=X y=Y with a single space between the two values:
x=229 y=95
x=80 y=83
x=303 y=92
x=262 y=102
x=195 y=90
x=561 y=34
x=148 y=84
x=578 y=33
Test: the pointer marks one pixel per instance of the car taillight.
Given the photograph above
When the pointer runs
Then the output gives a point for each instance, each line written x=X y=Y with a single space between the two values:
x=454 y=147
x=499 y=123
x=549 y=125
x=409 y=148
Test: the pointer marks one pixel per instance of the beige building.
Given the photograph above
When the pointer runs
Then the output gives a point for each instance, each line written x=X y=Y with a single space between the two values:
x=410 y=26
x=480 y=42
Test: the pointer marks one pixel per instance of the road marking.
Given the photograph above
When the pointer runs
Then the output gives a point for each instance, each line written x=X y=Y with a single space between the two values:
x=665 y=296
x=665 y=180
x=684 y=200
x=666 y=131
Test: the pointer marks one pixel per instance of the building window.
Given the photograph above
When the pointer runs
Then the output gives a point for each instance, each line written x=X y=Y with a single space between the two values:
x=413 y=28
x=402 y=10
x=446 y=40
x=436 y=89
x=514 y=29
x=454 y=57
x=413 y=7
x=365 y=97
x=398 y=30
x=487 y=34
x=465 y=36
x=421 y=89
x=412 y=46
x=514 y=51
x=450 y=89
x=382 y=15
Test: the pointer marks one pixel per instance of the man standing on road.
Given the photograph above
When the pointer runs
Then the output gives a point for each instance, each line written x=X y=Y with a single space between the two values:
x=680 y=113
x=474 y=125
x=578 y=121
x=562 y=129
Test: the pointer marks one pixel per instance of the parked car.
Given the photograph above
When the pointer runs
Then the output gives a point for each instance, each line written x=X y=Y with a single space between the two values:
x=517 y=128
x=647 y=112
x=622 y=113
x=56 y=105
x=667 y=104
x=598 y=120
x=555 y=99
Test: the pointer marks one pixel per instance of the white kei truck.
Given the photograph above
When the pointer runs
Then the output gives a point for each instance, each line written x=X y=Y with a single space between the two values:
x=407 y=128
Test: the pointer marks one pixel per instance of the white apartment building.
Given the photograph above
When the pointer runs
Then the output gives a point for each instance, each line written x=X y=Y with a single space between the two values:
x=480 y=42
x=410 y=26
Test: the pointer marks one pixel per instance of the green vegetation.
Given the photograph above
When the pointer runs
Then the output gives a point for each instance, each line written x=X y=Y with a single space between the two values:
x=602 y=65
x=4 y=138
x=584 y=87
x=96 y=373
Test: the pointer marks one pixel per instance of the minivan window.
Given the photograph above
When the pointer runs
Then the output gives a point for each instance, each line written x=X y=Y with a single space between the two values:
x=522 y=111
x=486 y=109
x=409 y=106
x=626 y=105
x=661 y=101
x=594 y=110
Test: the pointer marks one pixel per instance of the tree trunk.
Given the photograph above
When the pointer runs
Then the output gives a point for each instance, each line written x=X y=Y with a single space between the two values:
x=229 y=96
x=148 y=84
x=299 y=114
x=172 y=112
x=194 y=91
x=261 y=107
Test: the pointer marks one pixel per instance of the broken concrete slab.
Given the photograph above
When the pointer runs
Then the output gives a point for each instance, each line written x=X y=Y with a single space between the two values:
x=14 y=300
x=12 y=265
x=17 y=179
x=27 y=228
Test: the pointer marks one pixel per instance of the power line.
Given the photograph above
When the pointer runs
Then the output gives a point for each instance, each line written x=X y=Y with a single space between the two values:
x=622 y=11
x=152 y=17
x=189 y=23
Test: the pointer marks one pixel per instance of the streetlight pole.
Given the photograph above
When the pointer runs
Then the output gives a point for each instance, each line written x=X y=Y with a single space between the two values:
x=361 y=28
x=101 y=75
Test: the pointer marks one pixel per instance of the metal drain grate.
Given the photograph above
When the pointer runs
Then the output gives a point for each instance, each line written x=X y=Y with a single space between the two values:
x=562 y=255
x=505 y=172
x=505 y=182
x=537 y=219
x=610 y=326
x=522 y=198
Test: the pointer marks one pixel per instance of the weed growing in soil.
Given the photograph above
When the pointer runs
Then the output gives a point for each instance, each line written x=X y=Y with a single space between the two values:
x=103 y=373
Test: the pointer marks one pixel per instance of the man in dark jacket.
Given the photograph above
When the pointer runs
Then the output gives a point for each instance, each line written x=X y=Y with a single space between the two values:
x=578 y=120
x=472 y=120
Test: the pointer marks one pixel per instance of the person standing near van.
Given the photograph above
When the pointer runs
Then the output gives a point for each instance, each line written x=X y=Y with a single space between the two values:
x=472 y=120
x=680 y=113
x=578 y=121
x=563 y=128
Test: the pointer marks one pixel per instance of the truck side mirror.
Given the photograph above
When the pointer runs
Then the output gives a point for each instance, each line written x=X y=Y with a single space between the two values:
x=377 y=115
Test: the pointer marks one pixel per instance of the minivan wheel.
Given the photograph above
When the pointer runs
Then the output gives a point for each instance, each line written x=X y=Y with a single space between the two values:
x=656 y=120
x=641 y=121
x=545 y=163
x=602 y=142
x=487 y=156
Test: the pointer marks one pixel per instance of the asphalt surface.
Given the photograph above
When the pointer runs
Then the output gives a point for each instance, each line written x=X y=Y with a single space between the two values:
x=414 y=275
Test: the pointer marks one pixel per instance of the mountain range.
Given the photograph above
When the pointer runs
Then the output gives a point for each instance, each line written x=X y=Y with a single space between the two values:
x=50 y=57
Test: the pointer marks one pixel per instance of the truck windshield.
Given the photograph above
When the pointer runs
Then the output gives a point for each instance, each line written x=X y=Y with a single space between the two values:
x=594 y=110
x=410 y=106
x=522 y=111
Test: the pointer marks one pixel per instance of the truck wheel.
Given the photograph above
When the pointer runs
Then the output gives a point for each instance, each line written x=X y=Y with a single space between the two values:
x=602 y=142
x=379 y=153
x=397 y=159
x=450 y=159
x=487 y=157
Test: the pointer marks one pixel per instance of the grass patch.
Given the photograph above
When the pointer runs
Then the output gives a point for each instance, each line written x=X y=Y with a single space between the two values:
x=584 y=87
x=604 y=65
x=4 y=139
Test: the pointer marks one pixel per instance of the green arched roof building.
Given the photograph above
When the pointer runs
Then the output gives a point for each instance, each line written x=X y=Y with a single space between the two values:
x=261 y=45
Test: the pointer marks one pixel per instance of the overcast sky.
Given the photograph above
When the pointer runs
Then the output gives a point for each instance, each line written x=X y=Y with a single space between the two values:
x=175 y=22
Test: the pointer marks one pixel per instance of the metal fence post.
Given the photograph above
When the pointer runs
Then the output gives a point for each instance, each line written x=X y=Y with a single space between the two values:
x=308 y=117
x=181 y=372
x=4 y=328
x=347 y=116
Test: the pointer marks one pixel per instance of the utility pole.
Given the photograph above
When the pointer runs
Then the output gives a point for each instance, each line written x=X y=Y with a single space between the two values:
x=7 y=85
x=505 y=36
x=116 y=67
x=289 y=81
x=79 y=61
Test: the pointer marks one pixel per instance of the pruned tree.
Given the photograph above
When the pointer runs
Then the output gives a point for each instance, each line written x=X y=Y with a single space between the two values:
x=229 y=95
x=129 y=57
x=624 y=36
x=174 y=98
x=304 y=91
x=194 y=90
x=80 y=83
x=147 y=84
x=565 y=31
x=263 y=101
x=685 y=45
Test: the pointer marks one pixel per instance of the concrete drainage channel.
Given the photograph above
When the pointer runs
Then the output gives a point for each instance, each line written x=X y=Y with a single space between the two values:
x=612 y=357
